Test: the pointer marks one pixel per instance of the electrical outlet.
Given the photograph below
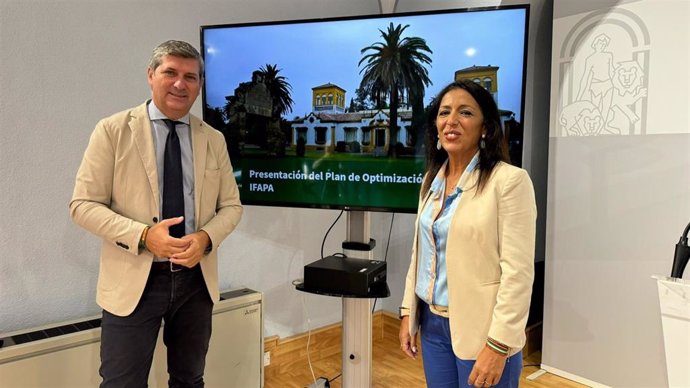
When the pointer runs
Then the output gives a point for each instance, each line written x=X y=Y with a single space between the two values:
x=267 y=358
x=321 y=382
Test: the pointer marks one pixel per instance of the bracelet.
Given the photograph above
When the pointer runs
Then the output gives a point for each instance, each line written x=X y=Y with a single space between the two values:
x=497 y=347
x=142 y=240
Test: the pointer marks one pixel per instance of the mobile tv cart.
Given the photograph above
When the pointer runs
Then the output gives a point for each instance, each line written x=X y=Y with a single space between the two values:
x=357 y=314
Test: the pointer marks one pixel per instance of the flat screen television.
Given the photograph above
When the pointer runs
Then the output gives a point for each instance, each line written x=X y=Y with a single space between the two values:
x=306 y=106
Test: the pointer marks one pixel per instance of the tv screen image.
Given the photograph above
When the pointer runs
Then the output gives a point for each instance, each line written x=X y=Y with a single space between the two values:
x=316 y=113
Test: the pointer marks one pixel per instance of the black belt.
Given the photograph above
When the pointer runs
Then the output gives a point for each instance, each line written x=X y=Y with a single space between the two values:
x=169 y=266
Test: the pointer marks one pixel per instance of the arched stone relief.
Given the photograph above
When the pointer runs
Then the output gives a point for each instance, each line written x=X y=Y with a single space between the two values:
x=603 y=69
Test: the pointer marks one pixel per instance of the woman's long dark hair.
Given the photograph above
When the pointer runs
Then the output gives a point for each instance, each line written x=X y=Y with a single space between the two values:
x=496 y=149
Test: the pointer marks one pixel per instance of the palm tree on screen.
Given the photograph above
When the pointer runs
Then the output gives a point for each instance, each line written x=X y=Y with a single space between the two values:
x=279 y=88
x=398 y=65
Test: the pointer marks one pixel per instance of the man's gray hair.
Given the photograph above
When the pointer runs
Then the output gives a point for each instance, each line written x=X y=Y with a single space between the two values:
x=176 y=48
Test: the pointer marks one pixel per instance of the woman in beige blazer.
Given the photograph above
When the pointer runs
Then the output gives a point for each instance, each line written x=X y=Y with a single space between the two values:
x=469 y=283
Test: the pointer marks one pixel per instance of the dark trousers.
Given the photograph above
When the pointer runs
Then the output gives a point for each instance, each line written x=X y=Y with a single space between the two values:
x=181 y=301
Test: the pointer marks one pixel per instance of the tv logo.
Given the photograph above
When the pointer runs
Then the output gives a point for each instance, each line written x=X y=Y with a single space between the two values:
x=266 y=187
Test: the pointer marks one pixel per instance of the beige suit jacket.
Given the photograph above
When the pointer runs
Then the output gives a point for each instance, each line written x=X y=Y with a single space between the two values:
x=489 y=263
x=116 y=195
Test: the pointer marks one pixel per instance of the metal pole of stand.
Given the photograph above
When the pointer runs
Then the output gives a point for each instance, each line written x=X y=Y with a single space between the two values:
x=357 y=315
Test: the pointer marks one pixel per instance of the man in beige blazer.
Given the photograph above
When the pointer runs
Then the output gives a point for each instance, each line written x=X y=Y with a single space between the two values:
x=147 y=273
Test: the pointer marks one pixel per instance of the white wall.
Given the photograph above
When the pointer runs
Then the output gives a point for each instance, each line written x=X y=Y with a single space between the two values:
x=67 y=63
x=618 y=199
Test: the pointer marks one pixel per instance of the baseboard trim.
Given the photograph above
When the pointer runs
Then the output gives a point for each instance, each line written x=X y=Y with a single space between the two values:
x=573 y=377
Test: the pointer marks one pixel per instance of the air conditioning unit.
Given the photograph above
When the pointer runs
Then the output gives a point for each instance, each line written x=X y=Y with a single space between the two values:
x=66 y=355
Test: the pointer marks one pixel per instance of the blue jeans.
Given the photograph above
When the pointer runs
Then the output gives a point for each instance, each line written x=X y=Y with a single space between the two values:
x=442 y=368
x=181 y=300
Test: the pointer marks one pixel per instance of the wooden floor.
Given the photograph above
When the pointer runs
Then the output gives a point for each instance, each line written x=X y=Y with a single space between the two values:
x=289 y=367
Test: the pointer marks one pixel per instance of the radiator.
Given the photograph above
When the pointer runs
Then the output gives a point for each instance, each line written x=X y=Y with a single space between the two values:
x=66 y=355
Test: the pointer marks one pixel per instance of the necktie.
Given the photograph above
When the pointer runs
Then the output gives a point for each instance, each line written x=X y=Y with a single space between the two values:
x=173 y=193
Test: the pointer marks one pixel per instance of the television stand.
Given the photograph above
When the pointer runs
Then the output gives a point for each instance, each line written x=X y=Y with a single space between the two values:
x=357 y=314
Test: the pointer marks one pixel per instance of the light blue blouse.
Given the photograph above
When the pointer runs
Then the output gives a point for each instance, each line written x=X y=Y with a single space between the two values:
x=434 y=223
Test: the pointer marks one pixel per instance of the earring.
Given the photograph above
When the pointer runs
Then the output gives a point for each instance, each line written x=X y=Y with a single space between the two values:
x=438 y=144
x=482 y=142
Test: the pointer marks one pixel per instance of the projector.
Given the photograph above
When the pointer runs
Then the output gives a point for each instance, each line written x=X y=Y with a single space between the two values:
x=343 y=275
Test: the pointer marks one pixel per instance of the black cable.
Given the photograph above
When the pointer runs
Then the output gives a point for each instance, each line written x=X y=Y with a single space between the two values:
x=329 y=230
x=333 y=379
x=385 y=255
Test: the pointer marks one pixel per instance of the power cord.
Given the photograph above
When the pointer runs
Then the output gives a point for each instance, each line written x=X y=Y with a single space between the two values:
x=333 y=379
x=306 y=318
x=385 y=255
x=329 y=230
x=326 y=382
x=388 y=243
